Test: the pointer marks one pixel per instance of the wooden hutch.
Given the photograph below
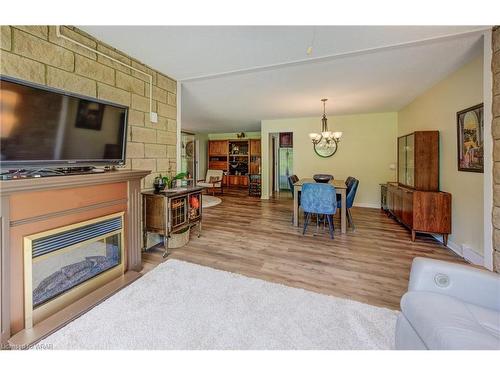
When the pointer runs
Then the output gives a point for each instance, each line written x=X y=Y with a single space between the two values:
x=415 y=200
x=238 y=158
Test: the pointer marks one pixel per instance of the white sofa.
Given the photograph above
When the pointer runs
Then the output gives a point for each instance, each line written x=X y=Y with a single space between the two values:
x=449 y=306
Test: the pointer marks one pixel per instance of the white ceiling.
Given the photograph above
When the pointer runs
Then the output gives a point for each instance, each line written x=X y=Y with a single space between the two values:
x=233 y=77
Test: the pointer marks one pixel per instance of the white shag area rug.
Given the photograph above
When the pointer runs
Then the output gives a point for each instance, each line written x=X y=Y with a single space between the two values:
x=210 y=201
x=180 y=305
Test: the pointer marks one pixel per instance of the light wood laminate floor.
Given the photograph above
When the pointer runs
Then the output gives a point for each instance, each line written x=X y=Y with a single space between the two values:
x=256 y=238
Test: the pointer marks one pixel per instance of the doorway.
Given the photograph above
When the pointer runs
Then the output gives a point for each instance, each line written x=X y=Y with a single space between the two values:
x=189 y=160
x=282 y=161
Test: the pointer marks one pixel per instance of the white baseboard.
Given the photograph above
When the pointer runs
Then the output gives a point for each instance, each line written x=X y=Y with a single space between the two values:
x=367 y=205
x=473 y=257
x=467 y=254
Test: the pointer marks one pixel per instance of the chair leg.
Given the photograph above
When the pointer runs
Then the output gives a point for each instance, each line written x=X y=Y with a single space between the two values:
x=306 y=221
x=349 y=218
x=330 y=225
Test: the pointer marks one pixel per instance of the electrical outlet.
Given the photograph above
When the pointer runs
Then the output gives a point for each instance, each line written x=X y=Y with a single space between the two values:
x=154 y=117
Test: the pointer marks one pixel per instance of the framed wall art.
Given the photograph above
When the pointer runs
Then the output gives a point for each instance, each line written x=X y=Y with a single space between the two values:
x=470 y=137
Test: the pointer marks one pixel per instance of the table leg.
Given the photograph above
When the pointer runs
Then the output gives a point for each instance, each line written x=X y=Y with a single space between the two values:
x=343 y=212
x=296 y=206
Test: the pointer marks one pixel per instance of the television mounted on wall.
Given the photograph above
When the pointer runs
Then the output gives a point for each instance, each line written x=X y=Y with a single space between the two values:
x=45 y=127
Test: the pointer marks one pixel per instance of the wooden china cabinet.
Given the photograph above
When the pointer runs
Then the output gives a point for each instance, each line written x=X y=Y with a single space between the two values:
x=415 y=200
x=218 y=148
x=238 y=158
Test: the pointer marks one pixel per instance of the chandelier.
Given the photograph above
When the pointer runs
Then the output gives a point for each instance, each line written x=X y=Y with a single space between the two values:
x=325 y=143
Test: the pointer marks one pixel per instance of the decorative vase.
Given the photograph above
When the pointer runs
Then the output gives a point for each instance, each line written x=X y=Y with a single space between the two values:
x=158 y=184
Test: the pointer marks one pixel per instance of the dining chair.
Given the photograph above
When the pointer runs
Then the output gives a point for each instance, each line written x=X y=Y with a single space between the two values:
x=292 y=180
x=352 y=188
x=319 y=199
x=348 y=180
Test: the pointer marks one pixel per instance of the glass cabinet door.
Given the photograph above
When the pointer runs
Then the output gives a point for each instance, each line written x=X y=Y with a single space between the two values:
x=402 y=160
x=410 y=160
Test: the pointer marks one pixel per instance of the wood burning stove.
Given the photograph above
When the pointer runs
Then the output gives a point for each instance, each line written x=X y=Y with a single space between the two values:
x=171 y=211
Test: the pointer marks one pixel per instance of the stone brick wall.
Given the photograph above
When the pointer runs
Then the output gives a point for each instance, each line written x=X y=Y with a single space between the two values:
x=495 y=67
x=34 y=53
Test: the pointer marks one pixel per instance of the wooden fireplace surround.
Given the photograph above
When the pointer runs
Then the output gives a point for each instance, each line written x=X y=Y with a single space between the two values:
x=34 y=205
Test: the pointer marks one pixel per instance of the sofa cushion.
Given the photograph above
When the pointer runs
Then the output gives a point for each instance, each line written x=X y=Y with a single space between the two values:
x=208 y=185
x=444 y=322
x=488 y=319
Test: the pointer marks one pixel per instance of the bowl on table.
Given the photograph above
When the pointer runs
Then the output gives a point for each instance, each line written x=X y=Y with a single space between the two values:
x=322 y=178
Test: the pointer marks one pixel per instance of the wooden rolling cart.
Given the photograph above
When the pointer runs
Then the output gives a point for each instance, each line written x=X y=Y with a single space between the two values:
x=171 y=211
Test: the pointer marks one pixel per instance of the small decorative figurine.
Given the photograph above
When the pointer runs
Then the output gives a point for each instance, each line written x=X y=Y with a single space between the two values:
x=159 y=184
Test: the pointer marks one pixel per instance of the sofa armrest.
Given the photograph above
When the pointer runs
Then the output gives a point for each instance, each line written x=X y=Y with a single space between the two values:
x=467 y=283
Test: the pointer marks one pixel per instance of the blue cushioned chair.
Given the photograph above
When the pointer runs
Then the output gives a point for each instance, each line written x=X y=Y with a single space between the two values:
x=291 y=180
x=319 y=199
x=352 y=187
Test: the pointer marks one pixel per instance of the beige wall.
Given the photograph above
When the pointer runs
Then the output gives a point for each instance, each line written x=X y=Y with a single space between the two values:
x=436 y=109
x=367 y=149
x=495 y=68
x=34 y=53
x=248 y=135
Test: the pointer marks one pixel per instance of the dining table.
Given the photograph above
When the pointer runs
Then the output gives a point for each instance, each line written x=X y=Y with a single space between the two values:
x=340 y=188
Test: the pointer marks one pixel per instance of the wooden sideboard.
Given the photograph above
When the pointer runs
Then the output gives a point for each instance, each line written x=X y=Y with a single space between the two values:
x=420 y=211
x=415 y=200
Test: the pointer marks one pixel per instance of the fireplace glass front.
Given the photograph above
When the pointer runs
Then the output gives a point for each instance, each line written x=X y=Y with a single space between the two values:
x=59 y=271
x=64 y=264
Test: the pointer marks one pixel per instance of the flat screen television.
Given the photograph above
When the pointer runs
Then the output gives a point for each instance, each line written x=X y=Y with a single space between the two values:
x=46 y=127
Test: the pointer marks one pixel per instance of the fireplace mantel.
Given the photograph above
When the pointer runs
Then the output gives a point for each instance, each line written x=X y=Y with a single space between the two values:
x=37 y=204
x=8 y=187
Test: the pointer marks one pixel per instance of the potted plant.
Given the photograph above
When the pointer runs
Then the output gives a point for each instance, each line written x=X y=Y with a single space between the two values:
x=169 y=181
